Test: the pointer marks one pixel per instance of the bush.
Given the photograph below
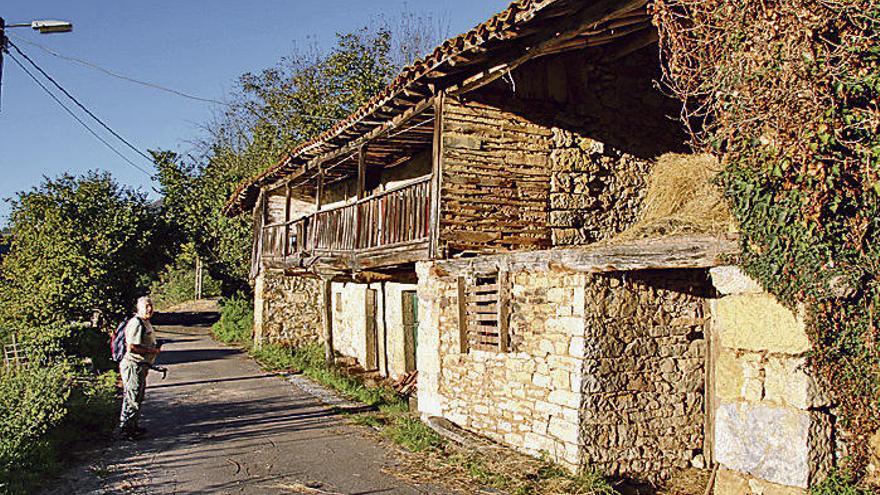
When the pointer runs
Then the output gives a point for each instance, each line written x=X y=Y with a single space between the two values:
x=176 y=284
x=236 y=323
x=79 y=244
x=77 y=342
x=32 y=403
x=44 y=413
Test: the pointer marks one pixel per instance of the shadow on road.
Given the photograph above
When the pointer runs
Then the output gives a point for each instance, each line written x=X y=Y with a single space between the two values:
x=190 y=319
x=216 y=380
x=194 y=355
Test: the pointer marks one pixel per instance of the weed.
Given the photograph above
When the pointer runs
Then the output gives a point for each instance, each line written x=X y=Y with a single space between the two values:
x=838 y=483
x=411 y=433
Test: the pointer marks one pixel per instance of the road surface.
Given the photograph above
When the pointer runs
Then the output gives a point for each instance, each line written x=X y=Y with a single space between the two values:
x=220 y=425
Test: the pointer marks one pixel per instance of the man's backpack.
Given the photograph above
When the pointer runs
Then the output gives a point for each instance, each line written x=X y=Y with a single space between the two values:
x=117 y=342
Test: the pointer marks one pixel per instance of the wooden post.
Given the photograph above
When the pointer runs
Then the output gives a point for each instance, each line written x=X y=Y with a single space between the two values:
x=361 y=193
x=198 y=288
x=319 y=193
x=288 y=192
x=503 y=313
x=327 y=319
x=372 y=331
x=362 y=172
x=436 y=180
x=462 y=316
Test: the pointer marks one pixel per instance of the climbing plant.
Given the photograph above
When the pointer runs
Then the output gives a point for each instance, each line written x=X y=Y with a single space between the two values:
x=786 y=94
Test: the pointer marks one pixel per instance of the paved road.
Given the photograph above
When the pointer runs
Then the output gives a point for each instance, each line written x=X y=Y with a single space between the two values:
x=220 y=425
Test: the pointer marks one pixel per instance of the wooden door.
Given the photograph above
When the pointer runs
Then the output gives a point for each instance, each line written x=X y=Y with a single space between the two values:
x=410 y=328
x=372 y=335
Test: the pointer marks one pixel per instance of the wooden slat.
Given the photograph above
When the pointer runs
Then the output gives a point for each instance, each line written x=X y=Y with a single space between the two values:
x=503 y=316
x=489 y=297
x=462 y=317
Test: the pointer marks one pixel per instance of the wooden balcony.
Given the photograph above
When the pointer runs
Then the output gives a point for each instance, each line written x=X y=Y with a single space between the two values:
x=387 y=229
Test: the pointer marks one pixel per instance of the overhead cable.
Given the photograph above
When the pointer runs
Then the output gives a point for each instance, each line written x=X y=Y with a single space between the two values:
x=76 y=117
x=117 y=75
x=80 y=105
x=153 y=85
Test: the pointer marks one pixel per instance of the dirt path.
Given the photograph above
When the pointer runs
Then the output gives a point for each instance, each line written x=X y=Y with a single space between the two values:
x=219 y=425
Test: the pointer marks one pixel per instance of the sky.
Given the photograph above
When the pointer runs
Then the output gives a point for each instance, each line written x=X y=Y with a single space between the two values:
x=198 y=47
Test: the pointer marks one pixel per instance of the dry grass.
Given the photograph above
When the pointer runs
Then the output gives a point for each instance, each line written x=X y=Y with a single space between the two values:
x=682 y=198
x=496 y=470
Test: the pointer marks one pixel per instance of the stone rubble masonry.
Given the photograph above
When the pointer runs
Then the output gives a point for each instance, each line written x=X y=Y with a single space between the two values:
x=772 y=431
x=286 y=309
x=579 y=386
x=643 y=391
x=596 y=191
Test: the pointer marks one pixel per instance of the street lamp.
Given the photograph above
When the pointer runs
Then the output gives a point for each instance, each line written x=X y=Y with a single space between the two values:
x=45 y=26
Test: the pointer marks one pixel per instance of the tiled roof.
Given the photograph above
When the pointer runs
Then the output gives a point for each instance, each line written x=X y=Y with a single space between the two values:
x=501 y=26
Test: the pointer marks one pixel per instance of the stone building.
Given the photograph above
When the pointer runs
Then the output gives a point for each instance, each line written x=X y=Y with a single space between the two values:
x=464 y=224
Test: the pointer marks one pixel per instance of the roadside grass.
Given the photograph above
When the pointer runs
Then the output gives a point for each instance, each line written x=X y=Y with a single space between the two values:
x=431 y=459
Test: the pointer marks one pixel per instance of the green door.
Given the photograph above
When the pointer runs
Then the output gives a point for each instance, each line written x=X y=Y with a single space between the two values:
x=410 y=328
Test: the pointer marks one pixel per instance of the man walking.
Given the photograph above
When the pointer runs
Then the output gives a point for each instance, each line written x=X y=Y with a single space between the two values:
x=141 y=352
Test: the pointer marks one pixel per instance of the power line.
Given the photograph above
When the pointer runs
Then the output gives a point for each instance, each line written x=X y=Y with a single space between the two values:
x=153 y=85
x=80 y=105
x=117 y=75
x=76 y=117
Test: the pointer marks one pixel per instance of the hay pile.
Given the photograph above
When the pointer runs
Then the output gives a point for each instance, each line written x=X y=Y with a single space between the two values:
x=682 y=198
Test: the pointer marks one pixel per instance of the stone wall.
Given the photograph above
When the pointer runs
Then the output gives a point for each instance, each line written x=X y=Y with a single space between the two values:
x=602 y=371
x=287 y=309
x=773 y=432
x=527 y=398
x=596 y=191
x=642 y=414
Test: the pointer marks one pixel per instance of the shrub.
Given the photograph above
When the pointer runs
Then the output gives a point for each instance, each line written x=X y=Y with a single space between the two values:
x=44 y=413
x=79 y=244
x=236 y=323
x=32 y=403
x=176 y=284
x=786 y=93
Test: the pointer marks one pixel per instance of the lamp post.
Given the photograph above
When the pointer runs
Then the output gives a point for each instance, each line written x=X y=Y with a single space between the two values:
x=46 y=26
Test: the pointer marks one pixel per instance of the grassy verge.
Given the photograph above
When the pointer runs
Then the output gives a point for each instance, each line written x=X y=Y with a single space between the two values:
x=432 y=459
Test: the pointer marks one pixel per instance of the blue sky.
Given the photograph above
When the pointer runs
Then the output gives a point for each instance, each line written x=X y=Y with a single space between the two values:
x=195 y=46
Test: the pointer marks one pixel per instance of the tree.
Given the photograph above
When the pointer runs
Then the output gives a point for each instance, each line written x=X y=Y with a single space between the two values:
x=79 y=244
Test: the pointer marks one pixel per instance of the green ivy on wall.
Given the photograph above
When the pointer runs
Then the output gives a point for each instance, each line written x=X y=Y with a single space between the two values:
x=786 y=94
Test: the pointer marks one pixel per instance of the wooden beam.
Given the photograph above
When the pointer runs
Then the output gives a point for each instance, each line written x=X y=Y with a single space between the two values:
x=462 y=317
x=678 y=252
x=503 y=313
x=362 y=172
x=436 y=179
x=558 y=33
x=389 y=126
x=319 y=193
x=327 y=319
x=288 y=193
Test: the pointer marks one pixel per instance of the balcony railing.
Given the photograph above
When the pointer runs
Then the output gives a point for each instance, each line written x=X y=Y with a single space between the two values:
x=396 y=217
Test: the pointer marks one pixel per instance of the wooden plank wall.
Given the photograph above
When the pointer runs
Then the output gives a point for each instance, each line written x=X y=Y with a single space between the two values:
x=496 y=180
